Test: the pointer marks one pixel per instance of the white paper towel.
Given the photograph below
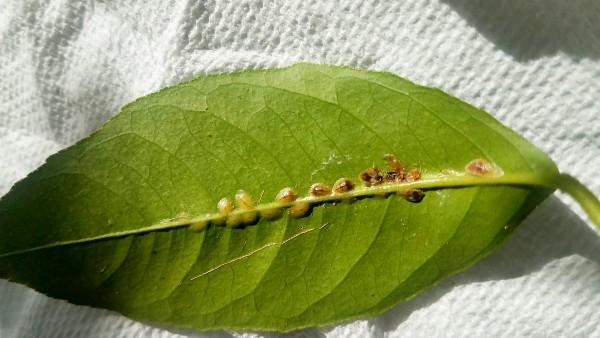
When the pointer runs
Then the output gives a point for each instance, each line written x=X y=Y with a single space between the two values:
x=66 y=66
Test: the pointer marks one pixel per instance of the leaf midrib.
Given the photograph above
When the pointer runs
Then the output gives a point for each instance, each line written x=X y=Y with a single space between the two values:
x=432 y=183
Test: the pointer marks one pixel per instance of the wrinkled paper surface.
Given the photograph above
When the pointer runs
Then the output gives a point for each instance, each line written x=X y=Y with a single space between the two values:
x=67 y=66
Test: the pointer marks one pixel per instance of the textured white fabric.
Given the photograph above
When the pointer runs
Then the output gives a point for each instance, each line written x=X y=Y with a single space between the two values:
x=66 y=66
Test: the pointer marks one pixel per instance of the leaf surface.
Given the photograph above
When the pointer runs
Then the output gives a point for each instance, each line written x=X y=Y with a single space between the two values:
x=88 y=226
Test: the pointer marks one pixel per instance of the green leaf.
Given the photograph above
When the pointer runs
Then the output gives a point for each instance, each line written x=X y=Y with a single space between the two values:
x=109 y=222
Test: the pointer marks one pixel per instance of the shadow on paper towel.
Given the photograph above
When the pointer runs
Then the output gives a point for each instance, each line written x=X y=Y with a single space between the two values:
x=532 y=29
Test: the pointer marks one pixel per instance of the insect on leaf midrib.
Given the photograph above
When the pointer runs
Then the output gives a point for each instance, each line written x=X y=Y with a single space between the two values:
x=199 y=222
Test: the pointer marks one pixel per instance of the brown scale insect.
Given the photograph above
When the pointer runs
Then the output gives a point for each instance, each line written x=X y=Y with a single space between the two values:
x=286 y=195
x=480 y=167
x=397 y=172
x=300 y=209
x=371 y=176
x=393 y=176
x=246 y=212
x=414 y=175
x=412 y=195
x=319 y=189
x=244 y=200
x=225 y=206
x=343 y=185
x=246 y=203
x=393 y=163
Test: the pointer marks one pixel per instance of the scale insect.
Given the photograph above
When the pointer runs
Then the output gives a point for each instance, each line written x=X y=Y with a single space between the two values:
x=243 y=210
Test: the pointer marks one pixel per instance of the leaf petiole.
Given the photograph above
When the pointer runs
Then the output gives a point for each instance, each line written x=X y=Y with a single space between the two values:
x=580 y=193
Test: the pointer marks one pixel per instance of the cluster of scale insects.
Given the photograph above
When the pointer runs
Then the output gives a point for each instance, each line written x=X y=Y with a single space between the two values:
x=244 y=210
